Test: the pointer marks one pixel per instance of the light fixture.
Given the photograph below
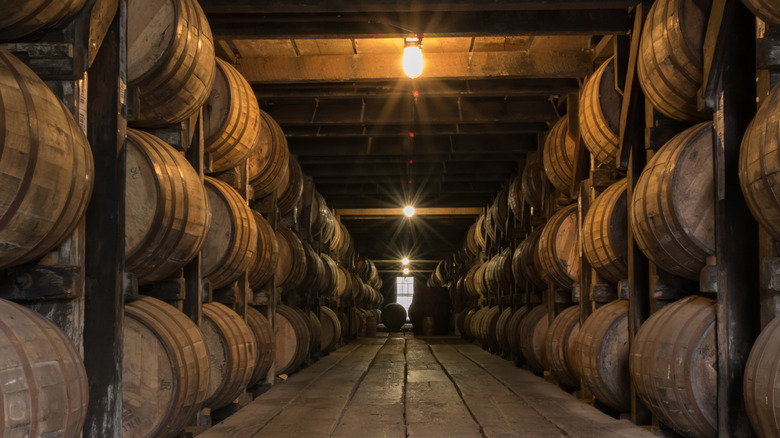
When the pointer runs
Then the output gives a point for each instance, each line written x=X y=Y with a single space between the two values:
x=409 y=211
x=405 y=261
x=406 y=271
x=412 y=60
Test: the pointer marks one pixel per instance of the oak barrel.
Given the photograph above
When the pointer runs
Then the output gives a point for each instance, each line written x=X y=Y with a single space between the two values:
x=20 y=19
x=165 y=369
x=767 y=10
x=343 y=283
x=267 y=253
x=602 y=354
x=293 y=339
x=469 y=283
x=534 y=182
x=466 y=329
x=232 y=348
x=487 y=328
x=533 y=337
x=559 y=348
x=331 y=329
x=471 y=240
x=523 y=260
x=671 y=66
x=501 y=332
x=513 y=332
x=291 y=266
x=46 y=168
x=44 y=390
x=323 y=223
x=475 y=325
x=558 y=156
x=170 y=58
x=315 y=331
x=557 y=256
x=231 y=119
x=515 y=197
x=314 y=276
x=605 y=232
x=759 y=164
x=498 y=273
x=167 y=216
x=761 y=383
x=673 y=207
x=330 y=277
x=290 y=190
x=674 y=366
x=230 y=248
x=393 y=316
x=266 y=344
x=599 y=114
x=268 y=162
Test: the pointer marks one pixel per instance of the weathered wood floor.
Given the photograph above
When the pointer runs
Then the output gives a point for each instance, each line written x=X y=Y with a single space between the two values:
x=397 y=387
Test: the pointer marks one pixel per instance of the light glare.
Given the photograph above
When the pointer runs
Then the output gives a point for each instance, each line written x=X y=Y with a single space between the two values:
x=409 y=211
x=405 y=261
x=406 y=271
x=412 y=60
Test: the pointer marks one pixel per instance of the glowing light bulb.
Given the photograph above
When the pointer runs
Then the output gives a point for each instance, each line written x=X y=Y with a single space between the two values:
x=412 y=61
x=406 y=271
x=405 y=261
x=409 y=211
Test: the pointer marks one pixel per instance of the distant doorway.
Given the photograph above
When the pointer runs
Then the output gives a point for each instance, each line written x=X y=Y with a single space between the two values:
x=404 y=287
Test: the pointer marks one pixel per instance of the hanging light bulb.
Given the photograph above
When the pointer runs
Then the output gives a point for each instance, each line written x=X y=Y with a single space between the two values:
x=406 y=271
x=412 y=60
x=409 y=211
x=405 y=261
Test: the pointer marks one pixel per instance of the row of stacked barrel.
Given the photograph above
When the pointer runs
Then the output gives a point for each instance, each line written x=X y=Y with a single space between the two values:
x=171 y=216
x=672 y=220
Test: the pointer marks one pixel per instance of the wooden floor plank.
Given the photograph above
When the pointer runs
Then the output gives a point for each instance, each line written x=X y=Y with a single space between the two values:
x=499 y=411
x=575 y=418
x=377 y=408
x=433 y=406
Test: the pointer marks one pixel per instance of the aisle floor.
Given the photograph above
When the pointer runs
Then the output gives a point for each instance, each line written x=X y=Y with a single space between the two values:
x=395 y=386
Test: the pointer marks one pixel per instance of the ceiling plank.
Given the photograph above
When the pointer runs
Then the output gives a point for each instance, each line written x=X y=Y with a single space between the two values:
x=378 y=66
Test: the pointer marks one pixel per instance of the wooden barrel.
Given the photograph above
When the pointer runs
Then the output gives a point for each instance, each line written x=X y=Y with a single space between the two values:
x=314 y=277
x=527 y=254
x=167 y=216
x=330 y=277
x=22 y=19
x=232 y=348
x=292 y=339
x=499 y=271
x=44 y=390
x=323 y=224
x=559 y=348
x=290 y=190
x=315 y=332
x=268 y=162
x=501 y=333
x=344 y=320
x=46 y=168
x=357 y=322
x=479 y=235
x=470 y=283
x=230 y=248
x=231 y=119
x=533 y=338
x=466 y=329
x=499 y=210
x=673 y=207
x=761 y=383
x=515 y=196
x=767 y=10
x=341 y=242
x=759 y=165
x=534 y=182
x=357 y=288
x=165 y=369
x=343 y=284
x=487 y=328
x=558 y=156
x=513 y=332
x=602 y=354
x=393 y=316
x=471 y=239
x=557 y=256
x=331 y=330
x=291 y=266
x=266 y=344
x=170 y=58
x=475 y=325
x=674 y=366
x=604 y=233
x=670 y=66
x=267 y=253
x=599 y=114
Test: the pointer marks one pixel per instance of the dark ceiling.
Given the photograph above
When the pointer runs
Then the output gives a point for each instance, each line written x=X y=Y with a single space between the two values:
x=497 y=74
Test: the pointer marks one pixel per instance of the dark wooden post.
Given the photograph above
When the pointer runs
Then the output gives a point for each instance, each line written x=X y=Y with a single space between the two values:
x=105 y=234
x=193 y=284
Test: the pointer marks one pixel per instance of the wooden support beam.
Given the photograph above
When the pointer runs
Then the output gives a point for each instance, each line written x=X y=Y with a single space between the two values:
x=377 y=66
x=716 y=40
x=193 y=284
x=631 y=114
x=105 y=234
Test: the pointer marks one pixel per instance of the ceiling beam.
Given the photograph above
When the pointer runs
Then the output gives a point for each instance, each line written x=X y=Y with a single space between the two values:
x=339 y=132
x=379 y=66
x=416 y=146
x=423 y=211
x=431 y=170
x=446 y=188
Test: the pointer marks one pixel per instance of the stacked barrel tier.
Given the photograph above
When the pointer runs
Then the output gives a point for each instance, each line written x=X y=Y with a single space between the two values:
x=165 y=369
x=170 y=59
x=266 y=344
x=267 y=253
x=559 y=346
x=167 y=214
x=674 y=359
x=558 y=156
x=767 y=10
x=759 y=165
x=323 y=223
x=605 y=233
x=232 y=349
x=557 y=254
x=671 y=66
x=341 y=244
x=230 y=248
x=231 y=119
x=502 y=336
x=523 y=263
x=673 y=204
x=761 y=384
x=599 y=113
x=515 y=196
x=44 y=390
x=601 y=350
x=331 y=330
x=291 y=267
x=267 y=164
x=534 y=183
x=513 y=332
x=533 y=338
x=46 y=167
x=290 y=189
x=498 y=272
x=293 y=339
x=496 y=218
x=19 y=20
